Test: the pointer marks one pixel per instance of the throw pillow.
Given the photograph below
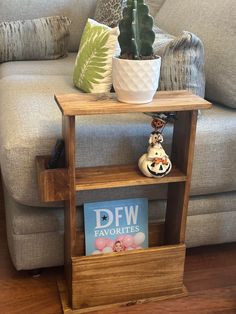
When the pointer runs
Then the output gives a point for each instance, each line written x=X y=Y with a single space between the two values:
x=109 y=12
x=182 y=64
x=215 y=22
x=38 y=39
x=93 y=66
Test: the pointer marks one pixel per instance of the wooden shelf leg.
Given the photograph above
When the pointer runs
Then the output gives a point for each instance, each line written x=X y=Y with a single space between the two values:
x=178 y=193
x=68 y=132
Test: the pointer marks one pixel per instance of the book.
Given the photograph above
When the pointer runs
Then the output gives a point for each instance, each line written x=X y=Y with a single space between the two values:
x=116 y=226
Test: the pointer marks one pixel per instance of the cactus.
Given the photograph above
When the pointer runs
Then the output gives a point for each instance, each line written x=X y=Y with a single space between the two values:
x=136 y=34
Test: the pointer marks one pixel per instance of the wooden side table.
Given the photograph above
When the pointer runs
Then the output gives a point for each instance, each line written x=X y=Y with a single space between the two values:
x=107 y=280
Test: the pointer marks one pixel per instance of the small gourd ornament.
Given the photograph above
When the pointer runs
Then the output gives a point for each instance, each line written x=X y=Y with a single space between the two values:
x=155 y=163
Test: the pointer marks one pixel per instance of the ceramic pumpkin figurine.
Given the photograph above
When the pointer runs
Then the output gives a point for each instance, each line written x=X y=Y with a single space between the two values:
x=155 y=163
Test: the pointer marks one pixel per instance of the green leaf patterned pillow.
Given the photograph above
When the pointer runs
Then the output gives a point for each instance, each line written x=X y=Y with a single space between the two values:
x=93 y=66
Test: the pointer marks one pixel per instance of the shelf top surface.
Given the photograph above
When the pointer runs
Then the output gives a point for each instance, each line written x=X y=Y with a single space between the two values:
x=163 y=101
x=119 y=176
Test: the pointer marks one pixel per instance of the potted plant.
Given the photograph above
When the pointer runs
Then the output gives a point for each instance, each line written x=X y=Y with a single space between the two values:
x=136 y=71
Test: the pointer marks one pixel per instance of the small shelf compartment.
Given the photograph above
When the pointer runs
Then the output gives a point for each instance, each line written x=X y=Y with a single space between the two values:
x=53 y=183
x=127 y=278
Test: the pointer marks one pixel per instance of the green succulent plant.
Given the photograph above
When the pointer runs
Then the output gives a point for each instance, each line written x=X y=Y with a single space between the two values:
x=136 y=31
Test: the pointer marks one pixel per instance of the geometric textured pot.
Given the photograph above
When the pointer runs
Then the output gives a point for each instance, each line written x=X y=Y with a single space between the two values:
x=135 y=81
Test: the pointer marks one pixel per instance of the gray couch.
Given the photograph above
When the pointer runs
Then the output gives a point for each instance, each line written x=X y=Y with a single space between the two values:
x=30 y=122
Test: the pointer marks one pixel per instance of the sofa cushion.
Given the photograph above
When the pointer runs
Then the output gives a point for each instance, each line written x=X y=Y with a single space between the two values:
x=109 y=12
x=30 y=122
x=39 y=39
x=62 y=66
x=215 y=23
x=93 y=66
x=182 y=65
x=77 y=10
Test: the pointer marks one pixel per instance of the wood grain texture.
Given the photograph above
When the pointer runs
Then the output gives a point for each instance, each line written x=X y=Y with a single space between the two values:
x=164 y=101
x=127 y=277
x=68 y=132
x=94 y=178
x=176 y=293
x=52 y=183
x=178 y=194
x=109 y=279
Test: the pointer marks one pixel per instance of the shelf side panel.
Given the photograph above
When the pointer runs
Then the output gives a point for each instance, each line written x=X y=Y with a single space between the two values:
x=178 y=194
x=68 y=133
x=52 y=183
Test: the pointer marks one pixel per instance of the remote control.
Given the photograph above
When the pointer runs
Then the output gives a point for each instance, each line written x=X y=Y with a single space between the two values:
x=57 y=159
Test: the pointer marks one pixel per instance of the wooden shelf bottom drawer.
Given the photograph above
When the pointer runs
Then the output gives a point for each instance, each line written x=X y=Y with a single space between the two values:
x=127 y=278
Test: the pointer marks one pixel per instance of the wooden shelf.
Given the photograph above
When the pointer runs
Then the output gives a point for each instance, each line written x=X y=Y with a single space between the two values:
x=95 y=178
x=53 y=183
x=159 y=269
x=92 y=104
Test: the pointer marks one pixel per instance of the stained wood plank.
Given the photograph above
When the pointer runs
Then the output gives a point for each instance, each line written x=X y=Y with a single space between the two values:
x=68 y=133
x=130 y=277
x=93 y=178
x=164 y=101
x=178 y=194
x=198 y=280
x=52 y=183
x=214 y=256
x=177 y=293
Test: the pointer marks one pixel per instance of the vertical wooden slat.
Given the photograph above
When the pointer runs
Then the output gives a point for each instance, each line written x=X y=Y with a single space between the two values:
x=178 y=193
x=68 y=131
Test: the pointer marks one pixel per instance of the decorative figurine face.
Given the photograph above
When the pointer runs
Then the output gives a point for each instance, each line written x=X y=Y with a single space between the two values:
x=159 y=163
x=155 y=163
x=155 y=138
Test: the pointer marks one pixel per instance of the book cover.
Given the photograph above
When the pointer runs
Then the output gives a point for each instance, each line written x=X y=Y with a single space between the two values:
x=116 y=226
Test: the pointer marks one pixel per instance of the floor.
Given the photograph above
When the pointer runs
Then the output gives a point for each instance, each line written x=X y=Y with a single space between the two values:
x=210 y=276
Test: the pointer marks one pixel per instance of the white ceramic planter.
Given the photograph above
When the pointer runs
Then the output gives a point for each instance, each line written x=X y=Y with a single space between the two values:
x=135 y=81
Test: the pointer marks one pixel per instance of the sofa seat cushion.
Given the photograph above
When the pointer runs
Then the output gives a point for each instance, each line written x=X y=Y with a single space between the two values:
x=63 y=66
x=26 y=220
x=30 y=123
x=49 y=41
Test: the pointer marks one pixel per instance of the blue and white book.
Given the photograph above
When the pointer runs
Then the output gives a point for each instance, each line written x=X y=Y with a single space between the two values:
x=116 y=226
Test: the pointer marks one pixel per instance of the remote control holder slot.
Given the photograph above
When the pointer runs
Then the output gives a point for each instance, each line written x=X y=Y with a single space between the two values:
x=53 y=183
